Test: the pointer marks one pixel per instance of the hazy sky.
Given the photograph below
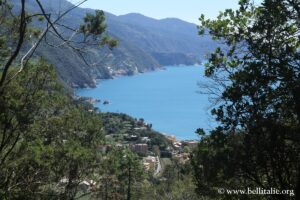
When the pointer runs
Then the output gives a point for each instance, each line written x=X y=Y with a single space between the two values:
x=188 y=10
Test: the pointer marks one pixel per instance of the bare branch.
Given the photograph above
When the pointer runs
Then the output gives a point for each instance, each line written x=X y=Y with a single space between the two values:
x=30 y=52
x=22 y=30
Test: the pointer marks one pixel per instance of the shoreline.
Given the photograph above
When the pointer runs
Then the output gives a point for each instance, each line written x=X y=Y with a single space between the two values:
x=96 y=81
x=181 y=134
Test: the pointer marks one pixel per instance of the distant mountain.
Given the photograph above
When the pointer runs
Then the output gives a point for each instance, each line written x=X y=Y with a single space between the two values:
x=169 y=35
x=145 y=44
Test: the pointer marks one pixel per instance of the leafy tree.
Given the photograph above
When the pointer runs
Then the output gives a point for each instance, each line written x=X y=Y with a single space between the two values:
x=121 y=175
x=45 y=136
x=176 y=183
x=21 y=103
x=257 y=71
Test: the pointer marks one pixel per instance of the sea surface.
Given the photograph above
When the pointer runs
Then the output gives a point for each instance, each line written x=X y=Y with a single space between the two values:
x=168 y=99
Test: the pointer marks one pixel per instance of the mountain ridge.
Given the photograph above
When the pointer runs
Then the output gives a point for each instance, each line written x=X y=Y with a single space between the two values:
x=145 y=44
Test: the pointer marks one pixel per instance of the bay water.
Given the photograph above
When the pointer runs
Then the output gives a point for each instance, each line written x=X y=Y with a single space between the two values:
x=168 y=99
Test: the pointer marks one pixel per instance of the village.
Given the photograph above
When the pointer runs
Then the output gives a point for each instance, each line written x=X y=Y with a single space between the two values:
x=155 y=159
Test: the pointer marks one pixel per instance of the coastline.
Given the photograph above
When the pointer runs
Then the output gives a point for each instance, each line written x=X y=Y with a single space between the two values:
x=122 y=90
x=97 y=81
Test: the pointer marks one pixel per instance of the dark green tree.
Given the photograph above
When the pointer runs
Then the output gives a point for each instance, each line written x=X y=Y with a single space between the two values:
x=45 y=136
x=257 y=75
x=121 y=174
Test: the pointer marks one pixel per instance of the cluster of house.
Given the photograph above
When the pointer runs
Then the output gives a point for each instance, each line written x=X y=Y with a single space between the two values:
x=177 y=150
x=150 y=163
x=139 y=148
x=178 y=146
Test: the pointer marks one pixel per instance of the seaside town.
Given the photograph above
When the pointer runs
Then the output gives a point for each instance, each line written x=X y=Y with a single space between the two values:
x=154 y=158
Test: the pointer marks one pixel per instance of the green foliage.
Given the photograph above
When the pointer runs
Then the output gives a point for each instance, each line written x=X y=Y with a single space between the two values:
x=176 y=182
x=217 y=162
x=121 y=175
x=44 y=137
x=257 y=144
x=118 y=125
x=94 y=26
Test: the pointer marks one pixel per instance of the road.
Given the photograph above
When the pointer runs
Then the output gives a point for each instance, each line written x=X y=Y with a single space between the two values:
x=158 y=168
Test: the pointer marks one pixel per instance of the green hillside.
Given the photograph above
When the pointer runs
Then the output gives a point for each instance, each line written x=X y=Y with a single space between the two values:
x=145 y=44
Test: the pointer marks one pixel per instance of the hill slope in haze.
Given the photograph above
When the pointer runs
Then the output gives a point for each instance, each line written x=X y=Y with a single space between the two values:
x=145 y=44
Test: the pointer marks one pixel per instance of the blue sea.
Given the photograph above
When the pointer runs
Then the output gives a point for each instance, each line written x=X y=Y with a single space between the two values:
x=168 y=99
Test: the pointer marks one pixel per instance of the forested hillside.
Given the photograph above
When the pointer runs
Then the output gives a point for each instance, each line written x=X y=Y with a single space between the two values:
x=144 y=45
